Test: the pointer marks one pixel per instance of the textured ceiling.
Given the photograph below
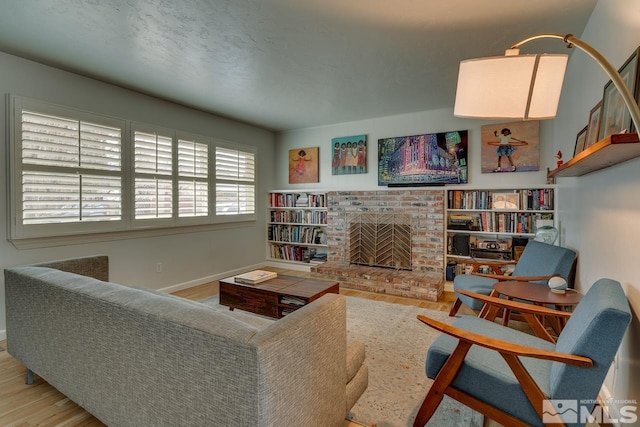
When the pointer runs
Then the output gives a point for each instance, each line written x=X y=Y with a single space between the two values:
x=283 y=64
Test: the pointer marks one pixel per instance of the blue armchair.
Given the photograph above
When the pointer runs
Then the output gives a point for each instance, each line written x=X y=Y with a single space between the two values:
x=538 y=262
x=518 y=388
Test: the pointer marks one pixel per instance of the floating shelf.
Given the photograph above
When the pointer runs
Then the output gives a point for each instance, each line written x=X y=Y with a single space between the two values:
x=610 y=151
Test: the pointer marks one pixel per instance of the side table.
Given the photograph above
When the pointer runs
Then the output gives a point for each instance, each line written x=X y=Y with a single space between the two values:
x=538 y=294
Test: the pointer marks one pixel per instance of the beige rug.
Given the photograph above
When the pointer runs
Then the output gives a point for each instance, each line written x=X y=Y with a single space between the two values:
x=396 y=347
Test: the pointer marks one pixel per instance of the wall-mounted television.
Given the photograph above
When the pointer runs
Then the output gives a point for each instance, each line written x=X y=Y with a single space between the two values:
x=427 y=159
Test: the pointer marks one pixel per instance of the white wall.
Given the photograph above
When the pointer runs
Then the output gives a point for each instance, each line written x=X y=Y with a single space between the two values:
x=601 y=211
x=185 y=257
x=400 y=125
x=599 y=214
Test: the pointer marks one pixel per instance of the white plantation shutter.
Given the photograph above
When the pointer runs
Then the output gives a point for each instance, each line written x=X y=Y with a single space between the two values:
x=235 y=182
x=153 y=167
x=70 y=169
x=74 y=175
x=193 y=172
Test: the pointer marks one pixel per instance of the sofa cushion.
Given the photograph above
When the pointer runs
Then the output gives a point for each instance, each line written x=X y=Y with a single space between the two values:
x=355 y=358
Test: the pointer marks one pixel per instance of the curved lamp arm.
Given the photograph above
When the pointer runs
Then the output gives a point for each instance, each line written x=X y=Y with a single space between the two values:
x=571 y=41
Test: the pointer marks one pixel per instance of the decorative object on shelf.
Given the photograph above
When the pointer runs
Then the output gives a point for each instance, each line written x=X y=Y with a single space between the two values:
x=349 y=155
x=559 y=162
x=593 y=132
x=615 y=117
x=303 y=165
x=511 y=147
x=442 y=159
x=507 y=87
x=581 y=140
x=505 y=201
x=547 y=234
x=557 y=285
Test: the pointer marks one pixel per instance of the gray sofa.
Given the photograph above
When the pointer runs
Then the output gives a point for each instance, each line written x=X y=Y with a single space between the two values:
x=137 y=358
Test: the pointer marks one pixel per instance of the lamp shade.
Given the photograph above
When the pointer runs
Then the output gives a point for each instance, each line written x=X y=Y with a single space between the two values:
x=510 y=87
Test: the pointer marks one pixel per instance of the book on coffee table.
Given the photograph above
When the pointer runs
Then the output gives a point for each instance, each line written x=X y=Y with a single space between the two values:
x=256 y=276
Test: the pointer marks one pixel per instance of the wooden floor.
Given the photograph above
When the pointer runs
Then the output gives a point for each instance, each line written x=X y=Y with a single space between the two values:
x=40 y=404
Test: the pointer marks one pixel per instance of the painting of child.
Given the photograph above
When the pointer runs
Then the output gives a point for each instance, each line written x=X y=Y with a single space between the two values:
x=511 y=147
x=303 y=165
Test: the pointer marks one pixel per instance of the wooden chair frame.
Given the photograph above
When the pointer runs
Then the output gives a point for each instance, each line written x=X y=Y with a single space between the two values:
x=500 y=278
x=534 y=315
x=511 y=354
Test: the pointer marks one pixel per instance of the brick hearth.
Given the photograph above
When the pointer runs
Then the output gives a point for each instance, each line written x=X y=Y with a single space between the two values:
x=426 y=207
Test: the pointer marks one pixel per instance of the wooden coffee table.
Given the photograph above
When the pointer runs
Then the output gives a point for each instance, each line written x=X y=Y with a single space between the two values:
x=275 y=297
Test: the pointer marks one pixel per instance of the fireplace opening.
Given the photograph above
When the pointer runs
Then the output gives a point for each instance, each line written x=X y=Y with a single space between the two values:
x=380 y=240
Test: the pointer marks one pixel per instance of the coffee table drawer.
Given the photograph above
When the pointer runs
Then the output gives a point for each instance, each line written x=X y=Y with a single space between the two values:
x=253 y=300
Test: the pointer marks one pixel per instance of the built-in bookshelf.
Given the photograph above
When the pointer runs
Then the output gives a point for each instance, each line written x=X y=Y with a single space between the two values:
x=296 y=227
x=494 y=224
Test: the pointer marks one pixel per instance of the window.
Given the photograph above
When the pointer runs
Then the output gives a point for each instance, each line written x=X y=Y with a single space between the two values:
x=70 y=168
x=193 y=173
x=235 y=182
x=153 y=185
x=73 y=172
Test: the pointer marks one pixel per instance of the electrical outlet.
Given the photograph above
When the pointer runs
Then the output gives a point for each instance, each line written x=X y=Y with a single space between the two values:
x=158 y=267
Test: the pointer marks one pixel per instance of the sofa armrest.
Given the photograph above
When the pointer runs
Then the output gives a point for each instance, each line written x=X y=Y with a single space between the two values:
x=96 y=266
x=302 y=365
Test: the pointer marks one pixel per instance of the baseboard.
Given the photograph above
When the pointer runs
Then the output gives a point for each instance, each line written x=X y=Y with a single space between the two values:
x=3 y=335
x=212 y=278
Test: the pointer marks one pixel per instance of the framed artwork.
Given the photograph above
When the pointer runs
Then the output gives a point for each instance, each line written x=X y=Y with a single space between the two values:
x=427 y=159
x=593 y=132
x=505 y=201
x=615 y=115
x=303 y=165
x=580 y=141
x=511 y=147
x=349 y=155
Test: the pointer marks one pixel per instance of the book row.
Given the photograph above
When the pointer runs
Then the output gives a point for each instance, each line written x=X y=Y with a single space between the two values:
x=531 y=199
x=307 y=217
x=296 y=234
x=503 y=222
x=290 y=200
x=296 y=253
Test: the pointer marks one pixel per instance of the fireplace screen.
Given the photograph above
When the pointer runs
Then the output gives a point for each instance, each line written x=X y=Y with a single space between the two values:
x=381 y=240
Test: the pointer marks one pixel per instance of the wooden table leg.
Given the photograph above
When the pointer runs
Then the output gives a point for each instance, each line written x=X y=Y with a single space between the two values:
x=506 y=314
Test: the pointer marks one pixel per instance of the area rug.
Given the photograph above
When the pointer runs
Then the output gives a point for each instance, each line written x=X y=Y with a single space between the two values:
x=396 y=345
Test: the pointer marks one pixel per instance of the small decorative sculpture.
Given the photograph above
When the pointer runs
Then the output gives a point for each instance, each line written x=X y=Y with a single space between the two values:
x=558 y=285
x=559 y=157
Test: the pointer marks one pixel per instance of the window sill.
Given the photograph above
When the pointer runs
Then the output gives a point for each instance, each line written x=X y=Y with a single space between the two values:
x=46 y=242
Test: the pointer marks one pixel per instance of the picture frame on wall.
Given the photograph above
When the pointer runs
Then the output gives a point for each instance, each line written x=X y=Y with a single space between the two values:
x=580 y=141
x=303 y=165
x=593 y=132
x=510 y=147
x=427 y=159
x=349 y=155
x=615 y=114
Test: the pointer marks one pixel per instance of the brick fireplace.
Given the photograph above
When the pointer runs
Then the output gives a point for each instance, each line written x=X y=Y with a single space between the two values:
x=425 y=207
